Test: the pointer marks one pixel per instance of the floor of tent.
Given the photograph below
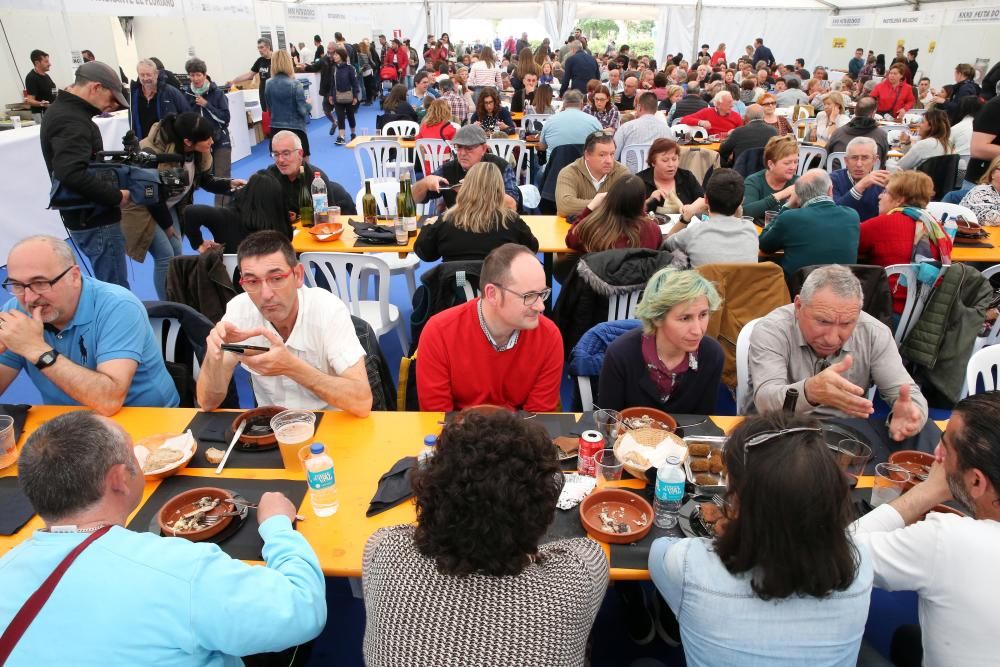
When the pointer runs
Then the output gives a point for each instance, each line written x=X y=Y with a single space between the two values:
x=340 y=643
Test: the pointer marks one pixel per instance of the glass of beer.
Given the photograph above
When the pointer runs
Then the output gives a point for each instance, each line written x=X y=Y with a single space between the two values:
x=8 y=446
x=293 y=429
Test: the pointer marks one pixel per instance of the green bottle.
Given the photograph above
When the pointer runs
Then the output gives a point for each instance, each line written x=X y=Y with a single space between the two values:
x=305 y=200
x=409 y=210
x=368 y=205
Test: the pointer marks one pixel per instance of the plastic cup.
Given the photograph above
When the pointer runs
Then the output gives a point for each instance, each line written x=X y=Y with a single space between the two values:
x=608 y=466
x=293 y=429
x=890 y=480
x=607 y=422
x=851 y=456
x=333 y=215
x=8 y=446
x=769 y=217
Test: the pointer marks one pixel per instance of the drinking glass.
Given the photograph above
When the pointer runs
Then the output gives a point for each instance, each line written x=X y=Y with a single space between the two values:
x=608 y=466
x=333 y=215
x=769 y=217
x=851 y=456
x=607 y=422
x=890 y=480
x=293 y=429
x=8 y=446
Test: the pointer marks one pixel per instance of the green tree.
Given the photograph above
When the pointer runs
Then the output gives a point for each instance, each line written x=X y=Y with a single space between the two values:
x=639 y=28
x=599 y=28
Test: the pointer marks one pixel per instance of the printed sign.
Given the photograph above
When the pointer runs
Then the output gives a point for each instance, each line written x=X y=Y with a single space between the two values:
x=128 y=7
x=976 y=15
x=850 y=21
x=909 y=19
x=839 y=42
x=931 y=46
x=301 y=13
x=231 y=9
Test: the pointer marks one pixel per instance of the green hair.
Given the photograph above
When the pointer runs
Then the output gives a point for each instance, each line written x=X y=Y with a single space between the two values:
x=670 y=287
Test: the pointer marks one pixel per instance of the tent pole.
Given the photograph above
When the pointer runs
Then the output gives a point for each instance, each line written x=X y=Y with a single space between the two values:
x=697 y=29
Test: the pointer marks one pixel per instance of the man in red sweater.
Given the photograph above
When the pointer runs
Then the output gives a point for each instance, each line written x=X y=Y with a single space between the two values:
x=718 y=119
x=498 y=349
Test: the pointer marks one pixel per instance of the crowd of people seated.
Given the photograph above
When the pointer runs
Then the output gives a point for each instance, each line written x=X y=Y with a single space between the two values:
x=789 y=551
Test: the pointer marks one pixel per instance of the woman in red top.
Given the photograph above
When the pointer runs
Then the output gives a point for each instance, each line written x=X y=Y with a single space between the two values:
x=719 y=57
x=399 y=58
x=436 y=125
x=889 y=237
x=893 y=95
x=617 y=220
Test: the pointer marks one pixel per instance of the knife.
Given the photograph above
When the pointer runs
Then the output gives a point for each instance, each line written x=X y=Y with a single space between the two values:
x=236 y=437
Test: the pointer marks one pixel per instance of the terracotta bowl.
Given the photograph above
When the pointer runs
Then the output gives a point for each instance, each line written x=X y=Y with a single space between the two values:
x=183 y=503
x=669 y=423
x=260 y=417
x=914 y=462
x=153 y=442
x=633 y=505
x=328 y=231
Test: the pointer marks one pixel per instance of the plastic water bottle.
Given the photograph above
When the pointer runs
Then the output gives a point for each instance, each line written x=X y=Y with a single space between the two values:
x=319 y=198
x=428 y=451
x=669 y=493
x=951 y=228
x=322 y=481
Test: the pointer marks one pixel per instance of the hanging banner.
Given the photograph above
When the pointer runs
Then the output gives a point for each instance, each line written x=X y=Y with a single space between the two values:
x=127 y=7
x=840 y=42
x=977 y=15
x=231 y=9
x=909 y=20
x=850 y=21
x=35 y=5
x=301 y=13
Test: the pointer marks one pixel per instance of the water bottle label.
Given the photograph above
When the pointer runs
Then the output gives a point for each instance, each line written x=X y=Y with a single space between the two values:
x=321 y=479
x=319 y=203
x=669 y=491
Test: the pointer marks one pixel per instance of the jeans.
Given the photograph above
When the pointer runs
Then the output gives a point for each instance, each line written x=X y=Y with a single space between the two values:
x=104 y=246
x=163 y=249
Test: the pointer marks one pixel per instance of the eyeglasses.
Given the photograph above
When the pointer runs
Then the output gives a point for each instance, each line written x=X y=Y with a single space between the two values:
x=284 y=154
x=274 y=281
x=768 y=104
x=530 y=298
x=767 y=436
x=36 y=286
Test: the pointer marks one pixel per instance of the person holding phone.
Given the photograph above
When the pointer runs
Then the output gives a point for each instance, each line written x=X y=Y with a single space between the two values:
x=304 y=353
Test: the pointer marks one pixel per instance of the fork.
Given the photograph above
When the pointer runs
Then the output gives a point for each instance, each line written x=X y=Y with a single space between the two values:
x=237 y=503
x=719 y=501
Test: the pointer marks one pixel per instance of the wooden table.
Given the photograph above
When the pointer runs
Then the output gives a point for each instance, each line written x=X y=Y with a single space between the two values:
x=362 y=450
x=412 y=143
x=960 y=253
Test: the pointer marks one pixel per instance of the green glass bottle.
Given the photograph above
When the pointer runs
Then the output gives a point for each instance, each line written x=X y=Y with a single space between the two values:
x=409 y=213
x=305 y=200
x=368 y=205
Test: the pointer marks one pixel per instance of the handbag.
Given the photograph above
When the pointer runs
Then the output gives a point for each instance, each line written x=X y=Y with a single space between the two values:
x=344 y=96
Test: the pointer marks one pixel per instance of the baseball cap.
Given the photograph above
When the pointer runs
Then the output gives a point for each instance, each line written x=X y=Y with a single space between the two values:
x=100 y=73
x=470 y=135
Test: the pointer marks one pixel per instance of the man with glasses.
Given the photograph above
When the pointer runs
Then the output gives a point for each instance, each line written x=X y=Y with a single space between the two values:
x=860 y=184
x=830 y=351
x=470 y=149
x=80 y=340
x=584 y=178
x=497 y=349
x=313 y=359
x=290 y=167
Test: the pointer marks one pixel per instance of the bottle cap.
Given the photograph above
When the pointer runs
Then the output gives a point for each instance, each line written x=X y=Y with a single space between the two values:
x=316 y=448
x=430 y=440
x=671 y=460
x=316 y=174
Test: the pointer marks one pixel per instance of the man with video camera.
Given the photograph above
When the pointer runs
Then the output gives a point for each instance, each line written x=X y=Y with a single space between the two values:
x=70 y=142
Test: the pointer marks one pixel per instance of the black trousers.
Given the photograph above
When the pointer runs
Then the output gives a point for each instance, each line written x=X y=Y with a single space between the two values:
x=345 y=112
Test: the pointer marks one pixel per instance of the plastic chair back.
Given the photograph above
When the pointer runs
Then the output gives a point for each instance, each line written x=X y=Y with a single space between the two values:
x=401 y=128
x=384 y=191
x=634 y=157
x=382 y=156
x=835 y=161
x=743 y=366
x=939 y=208
x=983 y=363
x=514 y=152
x=433 y=152
x=622 y=306
x=811 y=157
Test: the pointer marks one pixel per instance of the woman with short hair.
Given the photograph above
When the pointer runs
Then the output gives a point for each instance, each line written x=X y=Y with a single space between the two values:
x=603 y=109
x=616 y=219
x=771 y=117
x=669 y=363
x=769 y=188
x=669 y=188
x=472 y=569
x=781 y=556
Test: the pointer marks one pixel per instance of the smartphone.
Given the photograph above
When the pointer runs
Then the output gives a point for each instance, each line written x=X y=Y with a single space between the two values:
x=246 y=350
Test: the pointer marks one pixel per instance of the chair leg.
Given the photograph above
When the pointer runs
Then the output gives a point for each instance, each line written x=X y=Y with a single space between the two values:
x=404 y=340
x=411 y=280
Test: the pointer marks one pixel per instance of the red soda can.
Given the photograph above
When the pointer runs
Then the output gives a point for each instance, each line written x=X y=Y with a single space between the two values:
x=591 y=442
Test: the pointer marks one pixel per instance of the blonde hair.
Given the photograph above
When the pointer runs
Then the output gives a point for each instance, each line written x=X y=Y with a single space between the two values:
x=988 y=174
x=438 y=112
x=281 y=63
x=479 y=206
x=778 y=148
x=668 y=288
x=835 y=98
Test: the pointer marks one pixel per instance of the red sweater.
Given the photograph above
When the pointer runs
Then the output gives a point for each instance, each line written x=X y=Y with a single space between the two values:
x=444 y=131
x=726 y=123
x=458 y=367
x=887 y=240
x=650 y=235
x=893 y=100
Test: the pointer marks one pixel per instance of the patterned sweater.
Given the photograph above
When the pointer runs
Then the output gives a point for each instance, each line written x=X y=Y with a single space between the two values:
x=418 y=616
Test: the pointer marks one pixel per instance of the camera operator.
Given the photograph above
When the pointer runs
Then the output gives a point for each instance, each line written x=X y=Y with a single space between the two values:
x=70 y=141
x=156 y=229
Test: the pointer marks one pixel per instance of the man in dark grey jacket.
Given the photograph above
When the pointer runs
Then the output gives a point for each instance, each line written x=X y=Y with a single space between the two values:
x=580 y=68
x=754 y=134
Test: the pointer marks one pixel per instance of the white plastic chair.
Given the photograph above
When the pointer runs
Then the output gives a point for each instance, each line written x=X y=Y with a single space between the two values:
x=634 y=157
x=983 y=363
x=433 y=152
x=803 y=128
x=835 y=161
x=167 y=331
x=385 y=202
x=993 y=337
x=811 y=157
x=586 y=392
x=681 y=129
x=622 y=306
x=385 y=157
x=743 y=367
x=232 y=265
x=917 y=294
x=344 y=273
x=939 y=208
x=802 y=111
x=514 y=152
x=401 y=128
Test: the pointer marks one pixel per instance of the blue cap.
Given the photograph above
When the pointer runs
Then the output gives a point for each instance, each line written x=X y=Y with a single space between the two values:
x=316 y=448
x=430 y=440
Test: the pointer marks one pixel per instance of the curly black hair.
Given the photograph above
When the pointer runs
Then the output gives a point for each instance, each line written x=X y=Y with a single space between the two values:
x=488 y=495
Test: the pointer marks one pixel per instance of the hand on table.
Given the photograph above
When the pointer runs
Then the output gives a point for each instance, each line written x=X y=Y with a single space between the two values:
x=22 y=334
x=906 y=416
x=274 y=503
x=829 y=388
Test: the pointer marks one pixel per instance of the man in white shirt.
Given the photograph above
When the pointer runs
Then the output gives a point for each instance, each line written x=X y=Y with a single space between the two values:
x=950 y=561
x=644 y=130
x=313 y=359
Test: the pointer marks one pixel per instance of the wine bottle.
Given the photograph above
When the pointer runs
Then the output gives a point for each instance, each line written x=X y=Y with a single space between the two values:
x=410 y=209
x=791 y=398
x=305 y=200
x=368 y=206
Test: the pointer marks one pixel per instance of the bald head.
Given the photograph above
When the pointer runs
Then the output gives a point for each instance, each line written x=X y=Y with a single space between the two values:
x=814 y=183
x=48 y=264
x=46 y=244
x=754 y=112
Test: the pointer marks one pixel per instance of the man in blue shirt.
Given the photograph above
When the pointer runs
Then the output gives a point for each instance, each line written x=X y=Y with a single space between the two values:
x=857 y=62
x=135 y=598
x=762 y=53
x=569 y=126
x=81 y=341
x=421 y=89
x=859 y=185
x=579 y=69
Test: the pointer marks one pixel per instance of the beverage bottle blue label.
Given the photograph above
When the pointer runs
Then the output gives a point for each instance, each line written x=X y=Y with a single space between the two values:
x=321 y=479
x=669 y=491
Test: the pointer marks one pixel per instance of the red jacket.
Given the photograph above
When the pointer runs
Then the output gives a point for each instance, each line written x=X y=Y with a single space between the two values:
x=459 y=368
x=720 y=123
x=717 y=57
x=650 y=235
x=399 y=57
x=893 y=100
x=888 y=239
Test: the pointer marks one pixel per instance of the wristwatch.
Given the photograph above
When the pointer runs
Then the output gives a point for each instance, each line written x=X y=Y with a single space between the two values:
x=46 y=360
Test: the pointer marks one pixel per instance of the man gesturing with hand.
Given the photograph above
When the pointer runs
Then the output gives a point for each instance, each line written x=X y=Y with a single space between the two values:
x=831 y=352
x=313 y=359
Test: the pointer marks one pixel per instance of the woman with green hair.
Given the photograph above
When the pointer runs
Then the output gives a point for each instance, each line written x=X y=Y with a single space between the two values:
x=668 y=363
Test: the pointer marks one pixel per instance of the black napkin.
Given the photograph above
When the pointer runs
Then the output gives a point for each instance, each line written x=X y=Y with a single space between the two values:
x=368 y=234
x=15 y=510
x=246 y=543
x=210 y=429
x=393 y=487
x=19 y=412
x=689 y=425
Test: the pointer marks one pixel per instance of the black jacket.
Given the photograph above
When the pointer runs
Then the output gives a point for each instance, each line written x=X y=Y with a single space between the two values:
x=686 y=185
x=215 y=111
x=70 y=141
x=336 y=195
x=439 y=290
x=754 y=134
x=688 y=105
x=579 y=69
x=202 y=282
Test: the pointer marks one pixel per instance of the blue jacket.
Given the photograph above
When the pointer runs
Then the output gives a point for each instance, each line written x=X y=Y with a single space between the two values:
x=867 y=206
x=580 y=68
x=286 y=100
x=345 y=78
x=763 y=53
x=216 y=112
x=168 y=100
x=587 y=356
